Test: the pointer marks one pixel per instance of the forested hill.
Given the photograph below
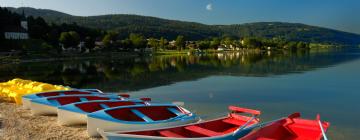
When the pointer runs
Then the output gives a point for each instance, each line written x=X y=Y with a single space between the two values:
x=46 y=13
x=157 y=27
x=291 y=32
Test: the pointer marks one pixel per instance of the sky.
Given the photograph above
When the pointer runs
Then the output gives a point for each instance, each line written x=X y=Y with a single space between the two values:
x=336 y=14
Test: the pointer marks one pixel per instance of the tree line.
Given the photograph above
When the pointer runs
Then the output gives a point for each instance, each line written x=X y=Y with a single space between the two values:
x=53 y=37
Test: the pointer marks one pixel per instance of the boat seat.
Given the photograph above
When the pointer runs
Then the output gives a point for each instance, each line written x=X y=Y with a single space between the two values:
x=83 y=99
x=234 y=122
x=62 y=94
x=175 y=111
x=104 y=106
x=141 y=115
x=168 y=133
x=202 y=131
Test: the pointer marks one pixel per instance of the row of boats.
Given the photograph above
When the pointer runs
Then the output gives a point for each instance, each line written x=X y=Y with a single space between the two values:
x=118 y=117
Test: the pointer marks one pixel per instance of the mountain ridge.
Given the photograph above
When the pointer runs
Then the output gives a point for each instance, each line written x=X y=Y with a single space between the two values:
x=158 y=27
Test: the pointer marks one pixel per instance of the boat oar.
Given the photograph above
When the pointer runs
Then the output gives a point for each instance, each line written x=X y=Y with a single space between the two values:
x=254 y=113
x=178 y=103
x=244 y=125
x=321 y=127
x=241 y=130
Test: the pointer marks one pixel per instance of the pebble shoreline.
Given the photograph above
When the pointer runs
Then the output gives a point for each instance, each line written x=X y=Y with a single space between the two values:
x=17 y=123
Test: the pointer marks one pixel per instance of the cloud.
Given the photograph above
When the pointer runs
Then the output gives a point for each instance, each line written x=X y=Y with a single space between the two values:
x=209 y=7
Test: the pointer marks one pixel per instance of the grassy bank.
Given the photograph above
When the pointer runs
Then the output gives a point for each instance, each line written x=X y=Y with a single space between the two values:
x=208 y=51
x=53 y=56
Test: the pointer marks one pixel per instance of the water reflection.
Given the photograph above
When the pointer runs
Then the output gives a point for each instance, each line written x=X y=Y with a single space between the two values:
x=225 y=79
x=146 y=72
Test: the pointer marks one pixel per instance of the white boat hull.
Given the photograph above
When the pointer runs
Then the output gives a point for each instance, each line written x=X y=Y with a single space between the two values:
x=66 y=117
x=93 y=124
x=42 y=109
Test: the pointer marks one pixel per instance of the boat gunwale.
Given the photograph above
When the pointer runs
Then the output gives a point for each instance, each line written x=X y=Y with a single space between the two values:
x=123 y=133
x=36 y=95
x=73 y=108
x=103 y=115
x=49 y=100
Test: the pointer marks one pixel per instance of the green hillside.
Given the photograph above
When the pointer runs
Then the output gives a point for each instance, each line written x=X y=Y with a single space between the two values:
x=157 y=27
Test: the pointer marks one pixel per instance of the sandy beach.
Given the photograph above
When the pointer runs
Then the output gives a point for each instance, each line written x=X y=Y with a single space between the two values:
x=17 y=123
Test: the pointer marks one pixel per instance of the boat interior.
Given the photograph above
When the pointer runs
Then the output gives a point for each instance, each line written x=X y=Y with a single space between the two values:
x=96 y=106
x=206 y=129
x=73 y=99
x=146 y=113
x=289 y=129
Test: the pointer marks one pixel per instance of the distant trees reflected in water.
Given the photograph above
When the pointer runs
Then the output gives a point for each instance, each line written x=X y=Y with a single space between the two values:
x=146 y=72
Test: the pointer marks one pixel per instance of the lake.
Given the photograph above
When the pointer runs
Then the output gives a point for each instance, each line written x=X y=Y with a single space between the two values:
x=278 y=84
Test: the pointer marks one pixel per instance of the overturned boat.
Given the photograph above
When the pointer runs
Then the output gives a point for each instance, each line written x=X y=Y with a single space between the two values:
x=138 y=117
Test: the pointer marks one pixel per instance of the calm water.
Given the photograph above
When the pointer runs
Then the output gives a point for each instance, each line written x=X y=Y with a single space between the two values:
x=277 y=84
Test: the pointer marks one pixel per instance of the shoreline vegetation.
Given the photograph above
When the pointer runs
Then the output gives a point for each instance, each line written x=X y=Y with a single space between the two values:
x=18 y=57
x=50 y=42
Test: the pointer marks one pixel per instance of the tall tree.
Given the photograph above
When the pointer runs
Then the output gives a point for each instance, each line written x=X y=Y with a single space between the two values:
x=38 y=28
x=252 y=43
x=180 y=42
x=227 y=41
x=163 y=42
x=215 y=42
x=69 y=39
x=126 y=44
x=153 y=43
x=89 y=42
x=137 y=40
x=205 y=44
x=110 y=38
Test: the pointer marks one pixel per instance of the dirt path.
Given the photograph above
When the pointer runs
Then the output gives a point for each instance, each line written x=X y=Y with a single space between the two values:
x=17 y=123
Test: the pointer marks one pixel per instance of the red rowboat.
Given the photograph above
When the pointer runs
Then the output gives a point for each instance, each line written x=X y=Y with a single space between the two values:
x=223 y=128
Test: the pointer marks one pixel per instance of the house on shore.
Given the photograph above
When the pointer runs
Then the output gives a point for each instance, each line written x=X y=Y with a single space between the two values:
x=17 y=32
x=172 y=43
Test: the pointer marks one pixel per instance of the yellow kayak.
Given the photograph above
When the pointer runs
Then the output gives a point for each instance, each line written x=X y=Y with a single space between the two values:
x=16 y=88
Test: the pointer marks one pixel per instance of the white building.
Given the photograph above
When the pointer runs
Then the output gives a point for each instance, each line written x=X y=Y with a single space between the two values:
x=17 y=33
x=172 y=43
